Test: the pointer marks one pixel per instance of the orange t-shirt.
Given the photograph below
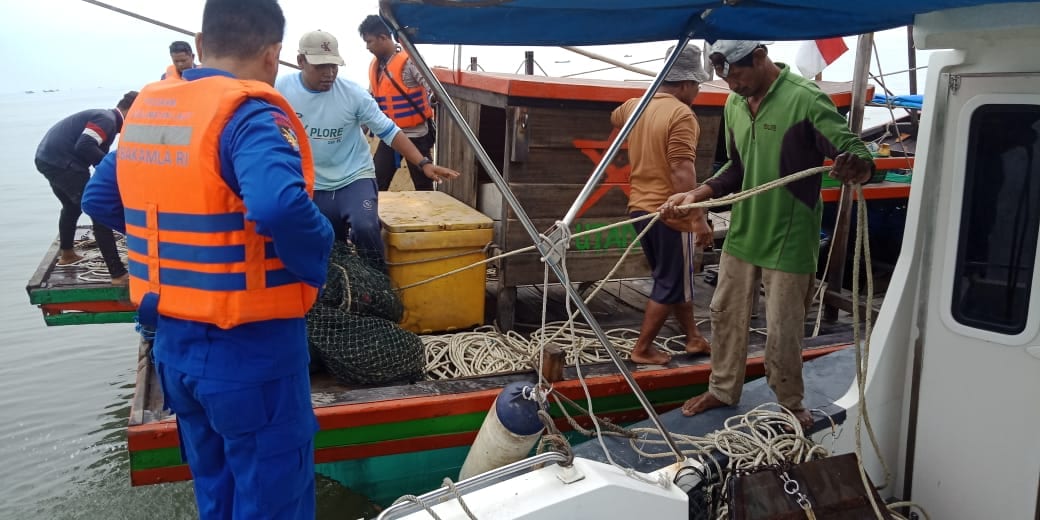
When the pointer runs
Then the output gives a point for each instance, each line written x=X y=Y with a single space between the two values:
x=665 y=134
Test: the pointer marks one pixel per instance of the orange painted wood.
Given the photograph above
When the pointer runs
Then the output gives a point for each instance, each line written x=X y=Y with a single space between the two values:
x=144 y=477
x=50 y=309
x=151 y=436
x=163 y=434
x=542 y=87
x=886 y=163
x=712 y=94
x=881 y=190
x=350 y=415
x=436 y=442
x=362 y=451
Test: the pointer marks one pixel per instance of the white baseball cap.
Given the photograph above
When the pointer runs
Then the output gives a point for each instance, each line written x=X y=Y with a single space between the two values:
x=320 y=48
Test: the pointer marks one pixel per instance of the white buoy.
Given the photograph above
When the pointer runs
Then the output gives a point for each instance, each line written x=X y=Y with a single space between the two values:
x=510 y=430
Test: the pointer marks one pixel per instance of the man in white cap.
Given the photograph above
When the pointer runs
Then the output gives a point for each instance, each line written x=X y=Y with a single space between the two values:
x=333 y=110
x=662 y=149
x=777 y=124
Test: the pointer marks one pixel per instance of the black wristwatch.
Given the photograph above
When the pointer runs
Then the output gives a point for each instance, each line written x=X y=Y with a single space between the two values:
x=424 y=162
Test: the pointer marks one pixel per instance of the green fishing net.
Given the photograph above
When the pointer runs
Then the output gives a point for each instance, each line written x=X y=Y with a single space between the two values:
x=352 y=328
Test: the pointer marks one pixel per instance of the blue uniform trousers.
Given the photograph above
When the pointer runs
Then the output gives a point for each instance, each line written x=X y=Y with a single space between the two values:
x=250 y=446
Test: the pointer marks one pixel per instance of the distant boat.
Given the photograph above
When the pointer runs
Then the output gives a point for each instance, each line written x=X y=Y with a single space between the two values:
x=30 y=91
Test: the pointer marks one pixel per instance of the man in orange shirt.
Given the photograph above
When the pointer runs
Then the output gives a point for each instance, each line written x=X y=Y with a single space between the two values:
x=662 y=148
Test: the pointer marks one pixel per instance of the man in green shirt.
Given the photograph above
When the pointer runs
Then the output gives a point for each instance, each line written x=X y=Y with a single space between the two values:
x=777 y=124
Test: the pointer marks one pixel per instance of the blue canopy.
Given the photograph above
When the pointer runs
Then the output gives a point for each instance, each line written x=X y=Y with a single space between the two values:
x=600 y=22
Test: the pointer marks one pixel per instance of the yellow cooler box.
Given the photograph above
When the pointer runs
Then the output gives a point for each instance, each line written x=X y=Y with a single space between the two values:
x=428 y=233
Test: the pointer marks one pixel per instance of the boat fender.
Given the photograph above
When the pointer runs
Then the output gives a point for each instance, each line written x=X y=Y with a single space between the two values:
x=510 y=430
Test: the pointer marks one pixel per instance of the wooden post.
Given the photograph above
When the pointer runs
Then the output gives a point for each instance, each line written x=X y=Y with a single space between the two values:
x=911 y=58
x=553 y=358
x=844 y=219
x=473 y=64
x=911 y=63
x=529 y=63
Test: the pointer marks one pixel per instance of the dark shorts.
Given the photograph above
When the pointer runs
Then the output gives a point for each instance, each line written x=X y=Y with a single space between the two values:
x=670 y=254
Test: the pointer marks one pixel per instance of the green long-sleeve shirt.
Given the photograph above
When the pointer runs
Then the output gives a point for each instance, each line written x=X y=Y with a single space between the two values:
x=796 y=127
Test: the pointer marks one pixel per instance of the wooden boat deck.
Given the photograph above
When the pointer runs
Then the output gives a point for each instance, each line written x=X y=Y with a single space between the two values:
x=373 y=433
x=68 y=296
x=619 y=305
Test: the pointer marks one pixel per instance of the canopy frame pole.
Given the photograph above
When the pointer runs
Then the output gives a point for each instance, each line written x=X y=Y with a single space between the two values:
x=544 y=248
x=164 y=25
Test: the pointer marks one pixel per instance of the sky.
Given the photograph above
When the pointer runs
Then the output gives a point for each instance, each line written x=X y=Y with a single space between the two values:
x=70 y=44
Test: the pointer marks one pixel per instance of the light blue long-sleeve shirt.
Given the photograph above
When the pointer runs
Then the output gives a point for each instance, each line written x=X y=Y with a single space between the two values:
x=333 y=120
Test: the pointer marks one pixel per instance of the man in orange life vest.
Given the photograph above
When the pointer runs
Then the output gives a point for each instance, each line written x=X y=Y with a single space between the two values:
x=182 y=58
x=401 y=93
x=227 y=252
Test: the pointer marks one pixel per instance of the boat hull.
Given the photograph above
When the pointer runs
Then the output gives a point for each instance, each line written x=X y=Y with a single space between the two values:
x=388 y=447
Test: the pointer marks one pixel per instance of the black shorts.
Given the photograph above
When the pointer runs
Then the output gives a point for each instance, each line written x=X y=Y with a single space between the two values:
x=670 y=254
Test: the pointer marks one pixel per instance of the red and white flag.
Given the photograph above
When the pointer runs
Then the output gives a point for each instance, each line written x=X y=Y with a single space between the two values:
x=814 y=55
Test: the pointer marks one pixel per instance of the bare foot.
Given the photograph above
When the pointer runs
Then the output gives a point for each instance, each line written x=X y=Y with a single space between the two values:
x=68 y=256
x=650 y=356
x=804 y=417
x=121 y=280
x=701 y=403
x=697 y=345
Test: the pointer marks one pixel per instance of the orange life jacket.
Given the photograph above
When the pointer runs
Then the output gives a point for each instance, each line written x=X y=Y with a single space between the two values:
x=188 y=239
x=172 y=73
x=390 y=100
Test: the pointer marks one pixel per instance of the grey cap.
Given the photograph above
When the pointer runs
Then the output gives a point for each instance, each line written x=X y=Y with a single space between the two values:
x=687 y=66
x=734 y=50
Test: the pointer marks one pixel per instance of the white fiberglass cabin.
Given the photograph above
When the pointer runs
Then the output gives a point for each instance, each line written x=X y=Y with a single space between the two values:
x=953 y=385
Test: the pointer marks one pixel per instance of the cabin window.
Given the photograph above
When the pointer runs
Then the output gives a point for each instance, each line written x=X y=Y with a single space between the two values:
x=1000 y=219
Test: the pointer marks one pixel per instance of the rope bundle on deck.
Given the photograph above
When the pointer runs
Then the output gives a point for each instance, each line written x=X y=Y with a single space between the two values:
x=486 y=350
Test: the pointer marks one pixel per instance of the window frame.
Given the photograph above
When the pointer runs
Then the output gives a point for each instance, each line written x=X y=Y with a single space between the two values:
x=960 y=144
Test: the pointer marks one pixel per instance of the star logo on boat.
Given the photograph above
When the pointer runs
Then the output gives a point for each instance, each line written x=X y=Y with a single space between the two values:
x=617 y=176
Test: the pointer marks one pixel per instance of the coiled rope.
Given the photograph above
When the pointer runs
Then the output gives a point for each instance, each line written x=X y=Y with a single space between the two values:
x=91 y=267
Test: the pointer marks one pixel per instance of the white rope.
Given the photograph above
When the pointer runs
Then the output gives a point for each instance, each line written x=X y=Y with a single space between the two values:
x=485 y=350
x=91 y=267
x=767 y=435
x=749 y=440
x=862 y=251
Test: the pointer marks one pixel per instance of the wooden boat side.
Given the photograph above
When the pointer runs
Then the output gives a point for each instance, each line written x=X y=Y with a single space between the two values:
x=434 y=415
x=67 y=300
